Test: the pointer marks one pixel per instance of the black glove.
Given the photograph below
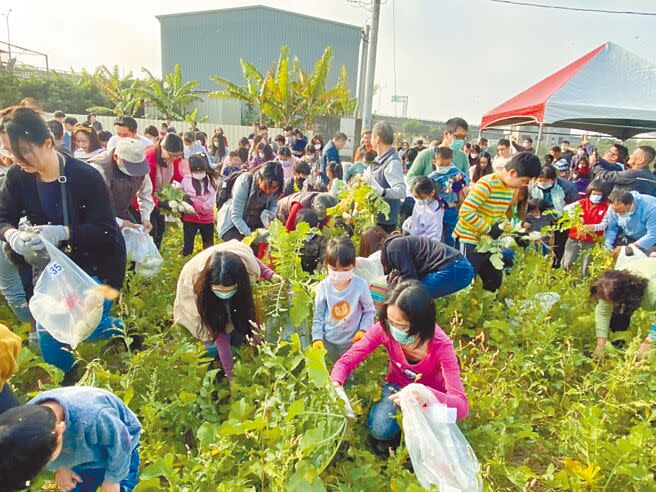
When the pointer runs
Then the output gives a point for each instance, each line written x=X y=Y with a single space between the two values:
x=495 y=231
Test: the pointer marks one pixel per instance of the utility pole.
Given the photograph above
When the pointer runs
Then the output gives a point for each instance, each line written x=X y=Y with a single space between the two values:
x=362 y=71
x=371 y=64
x=6 y=15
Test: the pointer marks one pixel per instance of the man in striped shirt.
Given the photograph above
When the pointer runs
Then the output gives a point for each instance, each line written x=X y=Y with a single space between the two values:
x=485 y=208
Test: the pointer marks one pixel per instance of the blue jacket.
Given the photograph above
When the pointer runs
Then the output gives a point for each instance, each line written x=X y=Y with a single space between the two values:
x=101 y=431
x=298 y=146
x=330 y=153
x=640 y=226
x=446 y=183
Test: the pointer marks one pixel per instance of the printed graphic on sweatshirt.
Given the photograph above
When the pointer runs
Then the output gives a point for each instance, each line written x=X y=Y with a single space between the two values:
x=340 y=310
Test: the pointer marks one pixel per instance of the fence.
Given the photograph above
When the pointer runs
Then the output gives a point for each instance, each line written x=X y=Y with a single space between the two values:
x=232 y=132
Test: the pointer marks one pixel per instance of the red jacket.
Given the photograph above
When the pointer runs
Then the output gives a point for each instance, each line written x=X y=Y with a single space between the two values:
x=592 y=214
x=151 y=156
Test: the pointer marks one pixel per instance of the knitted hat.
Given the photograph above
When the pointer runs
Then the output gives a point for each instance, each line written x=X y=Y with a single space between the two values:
x=10 y=345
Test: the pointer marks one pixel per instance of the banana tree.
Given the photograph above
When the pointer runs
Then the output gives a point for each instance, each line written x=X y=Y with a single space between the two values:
x=254 y=93
x=171 y=96
x=119 y=90
x=283 y=101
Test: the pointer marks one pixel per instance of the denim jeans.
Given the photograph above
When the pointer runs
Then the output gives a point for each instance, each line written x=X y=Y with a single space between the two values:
x=58 y=354
x=381 y=421
x=451 y=279
x=92 y=478
x=11 y=287
x=449 y=224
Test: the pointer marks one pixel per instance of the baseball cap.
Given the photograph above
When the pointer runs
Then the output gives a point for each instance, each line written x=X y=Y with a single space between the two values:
x=131 y=153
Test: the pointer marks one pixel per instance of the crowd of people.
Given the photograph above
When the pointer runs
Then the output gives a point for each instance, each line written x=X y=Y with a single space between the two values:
x=77 y=186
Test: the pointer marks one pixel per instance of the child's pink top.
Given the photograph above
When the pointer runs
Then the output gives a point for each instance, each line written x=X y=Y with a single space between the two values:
x=203 y=204
x=439 y=370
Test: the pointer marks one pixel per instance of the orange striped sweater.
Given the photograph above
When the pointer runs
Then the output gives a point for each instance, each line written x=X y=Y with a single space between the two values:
x=485 y=205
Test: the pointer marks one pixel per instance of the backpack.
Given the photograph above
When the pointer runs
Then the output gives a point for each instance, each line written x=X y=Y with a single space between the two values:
x=225 y=193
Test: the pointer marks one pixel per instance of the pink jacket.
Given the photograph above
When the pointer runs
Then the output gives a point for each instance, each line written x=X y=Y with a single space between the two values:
x=439 y=370
x=203 y=205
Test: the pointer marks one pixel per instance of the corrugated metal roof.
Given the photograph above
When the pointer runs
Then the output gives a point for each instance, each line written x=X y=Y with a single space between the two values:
x=213 y=42
x=250 y=7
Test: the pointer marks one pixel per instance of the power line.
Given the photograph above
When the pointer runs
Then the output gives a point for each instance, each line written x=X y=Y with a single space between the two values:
x=576 y=9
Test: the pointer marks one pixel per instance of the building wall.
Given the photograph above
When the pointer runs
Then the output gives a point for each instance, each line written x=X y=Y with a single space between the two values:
x=212 y=43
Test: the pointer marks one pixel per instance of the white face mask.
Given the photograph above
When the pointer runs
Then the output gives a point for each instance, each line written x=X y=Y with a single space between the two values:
x=545 y=186
x=422 y=201
x=596 y=198
x=261 y=154
x=317 y=146
x=336 y=276
x=442 y=170
x=199 y=175
x=474 y=156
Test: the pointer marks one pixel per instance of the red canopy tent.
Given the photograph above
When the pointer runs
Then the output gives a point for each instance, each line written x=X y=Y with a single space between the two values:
x=608 y=90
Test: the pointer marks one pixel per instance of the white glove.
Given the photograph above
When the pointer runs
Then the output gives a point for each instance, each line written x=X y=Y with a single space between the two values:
x=267 y=217
x=405 y=227
x=347 y=403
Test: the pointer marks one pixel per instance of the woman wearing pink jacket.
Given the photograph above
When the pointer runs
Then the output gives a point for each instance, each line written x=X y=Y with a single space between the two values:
x=419 y=352
x=201 y=188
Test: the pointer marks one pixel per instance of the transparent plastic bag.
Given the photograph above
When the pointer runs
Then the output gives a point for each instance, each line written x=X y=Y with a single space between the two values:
x=67 y=302
x=627 y=256
x=439 y=452
x=542 y=300
x=141 y=249
x=370 y=268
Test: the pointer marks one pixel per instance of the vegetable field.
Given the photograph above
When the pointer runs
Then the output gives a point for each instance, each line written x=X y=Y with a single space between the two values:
x=544 y=414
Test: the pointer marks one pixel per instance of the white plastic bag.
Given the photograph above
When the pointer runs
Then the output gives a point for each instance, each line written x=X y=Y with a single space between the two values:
x=141 y=249
x=370 y=268
x=624 y=259
x=439 y=452
x=544 y=300
x=67 y=302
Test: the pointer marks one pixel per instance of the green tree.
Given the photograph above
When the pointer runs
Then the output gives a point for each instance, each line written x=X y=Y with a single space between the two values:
x=52 y=92
x=254 y=93
x=171 y=96
x=413 y=127
x=119 y=91
x=289 y=96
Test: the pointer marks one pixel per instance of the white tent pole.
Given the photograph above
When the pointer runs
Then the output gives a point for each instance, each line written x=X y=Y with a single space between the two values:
x=537 y=147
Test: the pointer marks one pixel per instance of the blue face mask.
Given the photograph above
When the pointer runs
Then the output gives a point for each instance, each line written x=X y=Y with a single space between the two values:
x=224 y=296
x=457 y=144
x=400 y=335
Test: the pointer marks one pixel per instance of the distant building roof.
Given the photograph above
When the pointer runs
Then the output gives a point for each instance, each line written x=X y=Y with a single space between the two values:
x=264 y=7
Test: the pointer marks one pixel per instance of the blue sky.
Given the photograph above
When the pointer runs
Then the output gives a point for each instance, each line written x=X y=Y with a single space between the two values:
x=458 y=57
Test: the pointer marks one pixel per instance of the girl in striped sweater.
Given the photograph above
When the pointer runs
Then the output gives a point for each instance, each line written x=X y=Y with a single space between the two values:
x=485 y=208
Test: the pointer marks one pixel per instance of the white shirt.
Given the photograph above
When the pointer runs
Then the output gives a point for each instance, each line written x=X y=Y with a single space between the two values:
x=499 y=162
x=115 y=138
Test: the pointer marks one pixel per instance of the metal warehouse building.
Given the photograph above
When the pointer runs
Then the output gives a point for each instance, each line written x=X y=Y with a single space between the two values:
x=212 y=43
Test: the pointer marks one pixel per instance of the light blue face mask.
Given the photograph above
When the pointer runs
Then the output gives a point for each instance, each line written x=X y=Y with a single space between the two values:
x=457 y=144
x=422 y=201
x=224 y=295
x=400 y=335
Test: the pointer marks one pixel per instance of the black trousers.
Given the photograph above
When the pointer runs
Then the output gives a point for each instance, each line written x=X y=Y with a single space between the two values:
x=159 y=226
x=189 y=230
x=490 y=276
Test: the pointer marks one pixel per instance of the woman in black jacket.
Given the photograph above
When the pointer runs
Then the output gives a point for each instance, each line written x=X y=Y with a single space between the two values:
x=85 y=225
x=442 y=269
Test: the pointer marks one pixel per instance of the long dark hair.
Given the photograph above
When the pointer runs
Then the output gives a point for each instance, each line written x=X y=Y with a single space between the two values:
x=225 y=268
x=90 y=133
x=480 y=171
x=218 y=151
x=622 y=289
x=24 y=125
x=198 y=162
x=171 y=142
x=267 y=150
x=413 y=299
